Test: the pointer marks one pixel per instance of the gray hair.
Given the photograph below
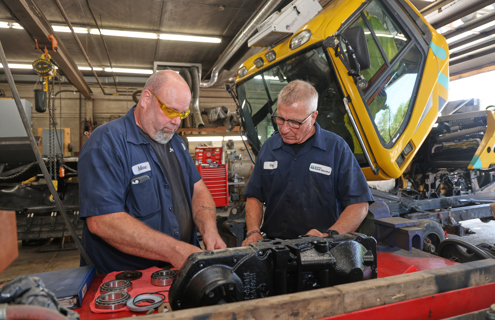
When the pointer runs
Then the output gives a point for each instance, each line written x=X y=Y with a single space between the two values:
x=299 y=90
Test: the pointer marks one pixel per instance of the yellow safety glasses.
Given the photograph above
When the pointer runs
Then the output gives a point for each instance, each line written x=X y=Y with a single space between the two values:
x=171 y=113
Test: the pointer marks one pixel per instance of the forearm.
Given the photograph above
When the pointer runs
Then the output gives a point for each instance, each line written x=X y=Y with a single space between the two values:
x=204 y=209
x=133 y=237
x=204 y=215
x=254 y=213
x=351 y=218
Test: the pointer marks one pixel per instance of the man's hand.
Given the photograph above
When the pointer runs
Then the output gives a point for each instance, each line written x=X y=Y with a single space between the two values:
x=314 y=232
x=255 y=237
x=185 y=252
x=213 y=241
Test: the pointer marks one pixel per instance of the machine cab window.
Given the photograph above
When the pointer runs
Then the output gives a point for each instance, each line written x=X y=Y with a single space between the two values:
x=393 y=75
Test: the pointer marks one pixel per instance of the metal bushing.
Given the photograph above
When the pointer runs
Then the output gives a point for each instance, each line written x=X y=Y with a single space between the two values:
x=112 y=300
x=116 y=285
x=163 y=278
x=128 y=275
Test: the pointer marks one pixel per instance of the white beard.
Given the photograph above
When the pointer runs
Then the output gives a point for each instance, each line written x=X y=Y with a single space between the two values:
x=163 y=137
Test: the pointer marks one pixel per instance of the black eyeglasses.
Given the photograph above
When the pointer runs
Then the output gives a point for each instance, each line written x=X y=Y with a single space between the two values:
x=292 y=123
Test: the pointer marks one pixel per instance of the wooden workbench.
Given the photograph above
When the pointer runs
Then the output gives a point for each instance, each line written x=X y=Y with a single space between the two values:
x=331 y=301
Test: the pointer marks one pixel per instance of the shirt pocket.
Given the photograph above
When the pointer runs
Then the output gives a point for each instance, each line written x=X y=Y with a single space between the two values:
x=321 y=191
x=143 y=199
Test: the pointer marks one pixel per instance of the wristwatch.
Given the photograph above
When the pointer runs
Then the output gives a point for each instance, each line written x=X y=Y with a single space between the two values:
x=332 y=233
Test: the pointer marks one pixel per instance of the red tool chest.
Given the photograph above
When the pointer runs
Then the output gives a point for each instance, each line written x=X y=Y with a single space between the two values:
x=208 y=155
x=214 y=173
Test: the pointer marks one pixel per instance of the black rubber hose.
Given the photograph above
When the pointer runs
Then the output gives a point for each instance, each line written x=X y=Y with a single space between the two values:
x=479 y=252
x=37 y=153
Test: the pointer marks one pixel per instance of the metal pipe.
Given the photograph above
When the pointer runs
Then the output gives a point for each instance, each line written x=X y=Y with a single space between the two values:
x=66 y=18
x=184 y=72
x=195 y=98
x=460 y=134
x=241 y=37
x=37 y=153
x=358 y=135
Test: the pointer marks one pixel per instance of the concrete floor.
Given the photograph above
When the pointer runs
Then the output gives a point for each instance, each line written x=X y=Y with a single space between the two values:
x=32 y=259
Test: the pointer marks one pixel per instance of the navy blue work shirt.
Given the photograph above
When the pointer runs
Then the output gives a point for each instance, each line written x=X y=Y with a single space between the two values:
x=308 y=190
x=119 y=172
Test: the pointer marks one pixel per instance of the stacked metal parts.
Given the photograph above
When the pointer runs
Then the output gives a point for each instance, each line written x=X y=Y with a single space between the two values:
x=117 y=294
x=273 y=267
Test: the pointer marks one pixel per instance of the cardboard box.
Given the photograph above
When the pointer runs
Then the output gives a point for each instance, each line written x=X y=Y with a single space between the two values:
x=8 y=238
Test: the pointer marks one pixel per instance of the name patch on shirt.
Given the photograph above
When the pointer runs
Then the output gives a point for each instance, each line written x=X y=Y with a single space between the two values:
x=270 y=165
x=140 y=168
x=320 y=169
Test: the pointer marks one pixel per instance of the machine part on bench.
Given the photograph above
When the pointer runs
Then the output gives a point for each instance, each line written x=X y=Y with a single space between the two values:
x=273 y=267
x=163 y=278
x=461 y=251
x=129 y=275
x=132 y=304
x=433 y=235
x=112 y=300
x=116 y=285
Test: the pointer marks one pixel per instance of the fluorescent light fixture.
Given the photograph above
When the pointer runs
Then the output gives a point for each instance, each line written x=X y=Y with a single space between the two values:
x=234 y=138
x=18 y=66
x=67 y=29
x=123 y=33
x=179 y=37
x=267 y=77
x=120 y=70
x=15 y=25
x=204 y=139
x=89 y=69
x=4 y=24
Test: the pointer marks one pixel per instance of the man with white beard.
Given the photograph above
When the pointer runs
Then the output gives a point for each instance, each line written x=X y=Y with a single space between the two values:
x=140 y=194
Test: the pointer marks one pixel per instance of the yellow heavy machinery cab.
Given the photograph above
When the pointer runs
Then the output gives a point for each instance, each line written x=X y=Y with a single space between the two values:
x=381 y=72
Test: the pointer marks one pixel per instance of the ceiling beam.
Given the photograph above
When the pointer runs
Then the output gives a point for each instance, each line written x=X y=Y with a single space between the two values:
x=448 y=11
x=30 y=17
x=470 y=25
x=473 y=56
x=473 y=49
x=481 y=35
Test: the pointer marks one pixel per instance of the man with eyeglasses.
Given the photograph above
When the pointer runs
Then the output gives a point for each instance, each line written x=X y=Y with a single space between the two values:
x=307 y=177
x=141 y=196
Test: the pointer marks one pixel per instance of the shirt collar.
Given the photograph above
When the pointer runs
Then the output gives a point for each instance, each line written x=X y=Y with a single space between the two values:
x=317 y=141
x=133 y=134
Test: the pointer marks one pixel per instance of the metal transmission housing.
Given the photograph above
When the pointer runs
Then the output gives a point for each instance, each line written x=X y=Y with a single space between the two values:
x=273 y=267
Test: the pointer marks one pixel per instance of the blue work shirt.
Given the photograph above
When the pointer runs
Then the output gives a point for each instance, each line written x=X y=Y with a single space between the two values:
x=308 y=190
x=119 y=172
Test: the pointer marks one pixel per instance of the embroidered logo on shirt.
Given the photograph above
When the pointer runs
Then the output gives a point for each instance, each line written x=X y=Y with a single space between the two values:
x=270 y=165
x=171 y=150
x=320 y=169
x=140 y=168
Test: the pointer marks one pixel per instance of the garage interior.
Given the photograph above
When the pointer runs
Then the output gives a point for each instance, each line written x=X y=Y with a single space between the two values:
x=104 y=53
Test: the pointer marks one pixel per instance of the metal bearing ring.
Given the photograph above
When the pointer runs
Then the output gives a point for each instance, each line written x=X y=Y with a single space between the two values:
x=116 y=285
x=163 y=278
x=112 y=300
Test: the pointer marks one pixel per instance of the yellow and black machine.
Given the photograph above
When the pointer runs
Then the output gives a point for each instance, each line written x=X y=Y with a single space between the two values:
x=382 y=75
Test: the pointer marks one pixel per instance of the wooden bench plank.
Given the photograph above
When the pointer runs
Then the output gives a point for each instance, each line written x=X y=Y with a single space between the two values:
x=346 y=298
